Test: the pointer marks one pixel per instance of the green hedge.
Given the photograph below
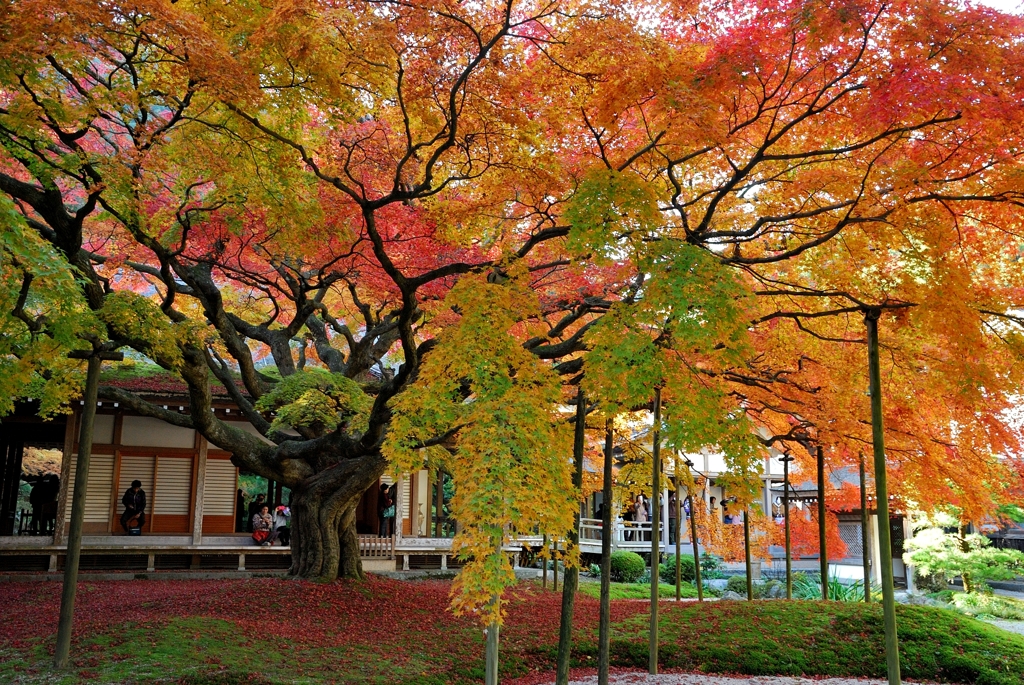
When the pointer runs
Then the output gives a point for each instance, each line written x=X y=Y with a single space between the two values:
x=668 y=569
x=627 y=567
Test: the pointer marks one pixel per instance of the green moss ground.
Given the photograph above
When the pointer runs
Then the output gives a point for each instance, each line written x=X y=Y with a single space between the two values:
x=269 y=640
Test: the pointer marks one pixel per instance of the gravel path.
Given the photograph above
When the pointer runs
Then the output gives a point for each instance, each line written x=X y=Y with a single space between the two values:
x=1012 y=626
x=701 y=679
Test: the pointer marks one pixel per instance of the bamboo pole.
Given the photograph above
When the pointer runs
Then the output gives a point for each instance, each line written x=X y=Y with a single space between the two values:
x=892 y=647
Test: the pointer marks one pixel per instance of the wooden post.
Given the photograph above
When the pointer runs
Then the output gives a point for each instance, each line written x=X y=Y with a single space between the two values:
x=544 y=558
x=785 y=512
x=197 y=511
x=746 y=552
x=605 y=621
x=65 y=477
x=679 y=534
x=822 y=544
x=438 y=503
x=572 y=575
x=892 y=647
x=693 y=538
x=554 y=565
x=74 y=552
x=652 y=661
x=865 y=538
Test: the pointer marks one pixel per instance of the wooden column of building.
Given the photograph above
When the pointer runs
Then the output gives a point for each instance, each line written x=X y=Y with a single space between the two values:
x=414 y=512
x=199 y=490
x=12 y=451
x=115 y=489
x=65 y=475
x=438 y=503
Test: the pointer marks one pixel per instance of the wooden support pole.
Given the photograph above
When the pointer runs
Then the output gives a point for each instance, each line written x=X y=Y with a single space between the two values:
x=438 y=503
x=679 y=535
x=572 y=575
x=785 y=512
x=746 y=554
x=865 y=539
x=74 y=550
x=652 y=661
x=694 y=540
x=544 y=560
x=822 y=543
x=892 y=647
x=554 y=566
x=605 y=620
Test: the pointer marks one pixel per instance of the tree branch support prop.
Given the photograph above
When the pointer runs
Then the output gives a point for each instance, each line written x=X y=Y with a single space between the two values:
x=864 y=534
x=679 y=535
x=652 y=661
x=892 y=648
x=785 y=512
x=822 y=545
x=572 y=575
x=554 y=566
x=694 y=539
x=74 y=550
x=605 y=626
x=746 y=554
x=544 y=556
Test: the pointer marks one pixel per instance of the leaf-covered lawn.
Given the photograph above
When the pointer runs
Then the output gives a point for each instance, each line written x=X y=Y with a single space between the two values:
x=637 y=590
x=266 y=631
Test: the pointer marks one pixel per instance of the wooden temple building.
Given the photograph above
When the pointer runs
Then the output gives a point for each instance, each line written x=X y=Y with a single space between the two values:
x=194 y=517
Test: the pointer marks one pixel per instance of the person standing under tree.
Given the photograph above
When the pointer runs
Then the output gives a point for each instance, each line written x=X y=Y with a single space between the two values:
x=134 y=501
x=640 y=516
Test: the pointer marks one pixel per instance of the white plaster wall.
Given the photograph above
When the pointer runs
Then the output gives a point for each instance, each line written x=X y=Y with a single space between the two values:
x=142 y=431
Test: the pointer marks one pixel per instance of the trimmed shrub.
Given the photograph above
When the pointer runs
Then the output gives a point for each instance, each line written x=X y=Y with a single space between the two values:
x=710 y=567
x=737 y=584
x=627 y=567
x=668 y=569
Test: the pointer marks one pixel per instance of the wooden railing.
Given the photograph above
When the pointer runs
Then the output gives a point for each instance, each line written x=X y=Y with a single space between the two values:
x=629 y=535
x=374 y=547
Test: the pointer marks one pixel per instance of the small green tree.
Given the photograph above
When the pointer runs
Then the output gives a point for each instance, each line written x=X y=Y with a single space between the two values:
x=936 y=552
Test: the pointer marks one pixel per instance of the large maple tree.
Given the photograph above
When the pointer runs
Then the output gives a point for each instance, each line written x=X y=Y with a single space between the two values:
x=377 y=197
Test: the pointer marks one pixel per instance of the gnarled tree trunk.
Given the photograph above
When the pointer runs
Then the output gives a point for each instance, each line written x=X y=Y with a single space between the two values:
x=324 y=541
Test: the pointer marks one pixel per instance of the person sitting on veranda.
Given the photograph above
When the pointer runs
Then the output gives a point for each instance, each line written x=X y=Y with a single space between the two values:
x=263 y=532
x=282 y=520
x=134 y=502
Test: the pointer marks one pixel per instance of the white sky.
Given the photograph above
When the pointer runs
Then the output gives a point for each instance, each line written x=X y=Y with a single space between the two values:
x=1014 y=6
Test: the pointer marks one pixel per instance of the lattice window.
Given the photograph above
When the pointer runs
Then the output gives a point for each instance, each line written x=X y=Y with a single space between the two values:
x=850 y=532
x=896 y=534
